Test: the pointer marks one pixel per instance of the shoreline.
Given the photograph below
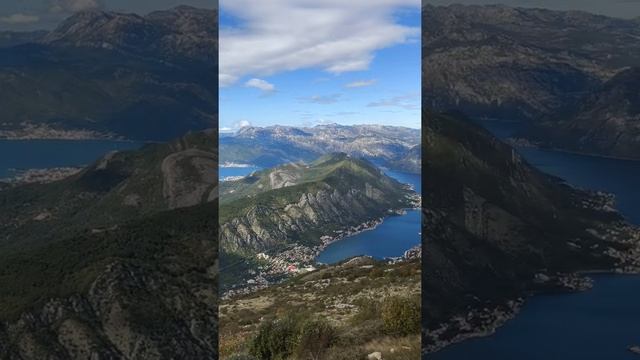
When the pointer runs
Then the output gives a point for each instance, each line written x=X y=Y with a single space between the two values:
x=492 y=327
x=40 y=176
x=519 y=143
x=378 y=222
x=259 y=281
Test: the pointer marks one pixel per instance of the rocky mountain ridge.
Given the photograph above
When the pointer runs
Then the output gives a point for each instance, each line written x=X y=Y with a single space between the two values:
x=118 y=261
x=500 y=230
x=605 y=122
x=134 y=77
x=519 y=64
x=333 y=193
x=182 y=31
x=392 y=146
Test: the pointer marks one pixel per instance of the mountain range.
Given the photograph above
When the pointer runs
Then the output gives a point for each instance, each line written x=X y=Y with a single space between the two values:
x=117 y=261
x=390 y=146
x=113 y=75
x=500 y=230
x=541 y=67
x=605 y=122
x=296 y=202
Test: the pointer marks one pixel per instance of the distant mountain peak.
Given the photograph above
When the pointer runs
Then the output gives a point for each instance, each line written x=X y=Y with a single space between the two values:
x=183 y=31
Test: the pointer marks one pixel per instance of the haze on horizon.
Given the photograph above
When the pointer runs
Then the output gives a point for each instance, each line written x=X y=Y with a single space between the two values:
x=627 y=9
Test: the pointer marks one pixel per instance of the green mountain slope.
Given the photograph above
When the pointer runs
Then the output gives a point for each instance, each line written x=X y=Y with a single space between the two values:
x=121 y=186
x=497 y=230
x=299 y=203
x=118 y=261
x=605 y=122
x=104 y=74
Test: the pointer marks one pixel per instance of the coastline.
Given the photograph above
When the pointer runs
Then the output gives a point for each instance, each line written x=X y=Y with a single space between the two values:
x=494 y=319
x=519 y=142
x=362 y=228
x=303 y=258
x=574 y=282
x=45 y=133
x=40 y=176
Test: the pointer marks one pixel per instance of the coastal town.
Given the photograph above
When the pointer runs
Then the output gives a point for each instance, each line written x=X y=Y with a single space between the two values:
x=279 y=264
x=28 y=131
x=39 y=176
x=282 y=264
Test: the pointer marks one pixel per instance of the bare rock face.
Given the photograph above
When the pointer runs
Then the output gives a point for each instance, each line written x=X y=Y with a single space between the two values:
x=263 y=227
x=333 y=193
x=280 y=179
x=190 y=176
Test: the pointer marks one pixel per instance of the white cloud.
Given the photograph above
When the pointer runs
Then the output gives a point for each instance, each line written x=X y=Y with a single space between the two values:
x=241 y=124
x=260 y=84
x=17 y=19
x=360 y=83
x=235 y=127
x=284 y=35
x=65 y=6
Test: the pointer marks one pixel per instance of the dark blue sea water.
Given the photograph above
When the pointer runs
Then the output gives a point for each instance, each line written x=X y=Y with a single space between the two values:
x=406 y=178
x=390 y=239
x=620 y=177
x=599 y=324
x=16 y=155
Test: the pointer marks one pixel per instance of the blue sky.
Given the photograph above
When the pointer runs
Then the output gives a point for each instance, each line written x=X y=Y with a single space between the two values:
x=376 y=83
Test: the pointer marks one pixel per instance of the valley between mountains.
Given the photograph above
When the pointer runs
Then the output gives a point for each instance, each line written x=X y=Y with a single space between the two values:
x=293 y=211
x=316 y=187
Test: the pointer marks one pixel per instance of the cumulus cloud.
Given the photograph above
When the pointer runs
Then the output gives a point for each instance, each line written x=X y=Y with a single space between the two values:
x=71 y=6
x=235 y=126
x=360 y=83
x=322 y=99
x=17 y=19
x=260 y=84
x=407 y=102
x=284 y=35
x=242 y=124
